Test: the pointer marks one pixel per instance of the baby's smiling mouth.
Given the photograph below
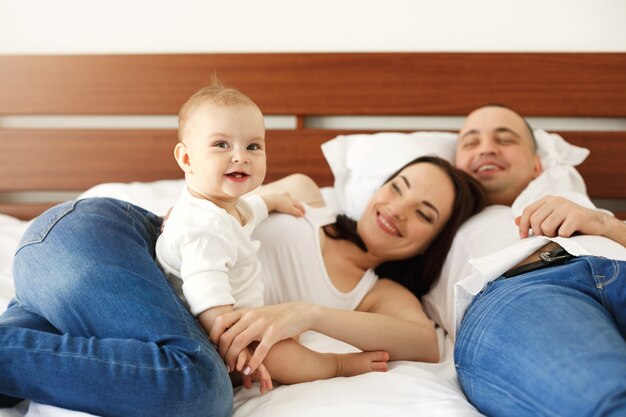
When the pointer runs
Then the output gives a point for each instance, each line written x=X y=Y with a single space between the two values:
x=237 y=176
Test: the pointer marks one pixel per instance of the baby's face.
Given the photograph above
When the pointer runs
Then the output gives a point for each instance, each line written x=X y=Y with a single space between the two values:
x=226 y=147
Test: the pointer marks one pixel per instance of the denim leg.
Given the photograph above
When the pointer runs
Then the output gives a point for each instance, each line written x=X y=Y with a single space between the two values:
x=610 y=280
x=543 y=344
x=17 y=315
x=124 y=343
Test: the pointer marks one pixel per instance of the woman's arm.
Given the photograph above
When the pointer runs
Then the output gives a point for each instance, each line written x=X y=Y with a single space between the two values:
x=391 y=315
x=390 y=318
x=298 y=186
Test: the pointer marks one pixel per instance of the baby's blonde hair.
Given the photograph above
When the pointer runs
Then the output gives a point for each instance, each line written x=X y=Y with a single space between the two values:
x=214 y=93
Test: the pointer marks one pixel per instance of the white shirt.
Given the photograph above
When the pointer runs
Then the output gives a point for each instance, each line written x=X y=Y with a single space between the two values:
x=293 y=266
x=488 y=245
x=209 y=257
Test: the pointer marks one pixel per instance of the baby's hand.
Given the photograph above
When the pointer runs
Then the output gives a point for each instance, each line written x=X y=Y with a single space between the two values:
x=261 y=374
x=284 y=203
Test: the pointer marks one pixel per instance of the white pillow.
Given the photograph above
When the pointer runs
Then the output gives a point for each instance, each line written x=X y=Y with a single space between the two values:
x=360 y=163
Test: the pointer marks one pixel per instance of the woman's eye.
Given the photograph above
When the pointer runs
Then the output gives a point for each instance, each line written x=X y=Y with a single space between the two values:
x=424 y=216
x=395 y=187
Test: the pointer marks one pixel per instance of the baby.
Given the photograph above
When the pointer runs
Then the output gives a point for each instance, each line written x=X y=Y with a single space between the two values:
x=206 y=248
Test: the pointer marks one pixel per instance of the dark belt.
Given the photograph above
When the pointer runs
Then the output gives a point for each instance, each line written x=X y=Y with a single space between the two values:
x=548 y=255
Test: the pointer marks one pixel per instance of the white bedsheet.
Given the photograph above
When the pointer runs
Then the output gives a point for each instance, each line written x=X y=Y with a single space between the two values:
x=407 y=389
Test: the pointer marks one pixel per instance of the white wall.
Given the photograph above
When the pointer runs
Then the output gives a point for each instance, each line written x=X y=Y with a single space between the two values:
x=131 y=26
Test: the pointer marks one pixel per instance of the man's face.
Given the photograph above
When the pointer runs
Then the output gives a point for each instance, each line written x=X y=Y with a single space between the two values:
x=496 y=148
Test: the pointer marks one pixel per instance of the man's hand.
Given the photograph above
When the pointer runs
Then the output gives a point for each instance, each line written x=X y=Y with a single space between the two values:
x=557 y=216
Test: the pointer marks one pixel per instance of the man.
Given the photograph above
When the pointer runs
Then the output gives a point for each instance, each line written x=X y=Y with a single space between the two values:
x=533 y=337
x=497 y=147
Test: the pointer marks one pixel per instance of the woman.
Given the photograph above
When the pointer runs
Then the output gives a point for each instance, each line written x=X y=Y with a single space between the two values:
x=414 y=260
x=96 y=327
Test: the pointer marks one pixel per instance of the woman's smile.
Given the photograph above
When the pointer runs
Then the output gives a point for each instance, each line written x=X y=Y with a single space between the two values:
x=387 y=224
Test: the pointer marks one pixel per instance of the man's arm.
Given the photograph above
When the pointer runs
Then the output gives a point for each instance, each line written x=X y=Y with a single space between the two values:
x=557 y=216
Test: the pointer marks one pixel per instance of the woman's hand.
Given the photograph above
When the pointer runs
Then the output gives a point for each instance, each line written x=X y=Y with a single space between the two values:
x=261 y=374
x=232 y=332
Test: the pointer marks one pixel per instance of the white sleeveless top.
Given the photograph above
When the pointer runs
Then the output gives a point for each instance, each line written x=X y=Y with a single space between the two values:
x=292 y=266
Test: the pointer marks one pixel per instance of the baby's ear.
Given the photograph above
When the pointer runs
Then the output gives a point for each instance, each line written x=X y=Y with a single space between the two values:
x=182 y=157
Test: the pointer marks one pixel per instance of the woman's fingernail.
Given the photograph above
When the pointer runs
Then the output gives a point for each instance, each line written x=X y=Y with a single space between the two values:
x=247 y=371
x=227 y=368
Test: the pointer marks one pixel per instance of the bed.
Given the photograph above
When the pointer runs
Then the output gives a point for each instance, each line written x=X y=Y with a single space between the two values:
x=45 y=159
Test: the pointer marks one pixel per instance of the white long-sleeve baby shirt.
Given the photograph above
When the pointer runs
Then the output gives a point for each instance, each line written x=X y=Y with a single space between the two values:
x=209 y=257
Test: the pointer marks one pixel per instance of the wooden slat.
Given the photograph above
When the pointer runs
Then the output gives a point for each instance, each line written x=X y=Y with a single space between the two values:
x=61 y=160
x=535 y=84
x=289 y=152
x=77 y=159
x=38 y=160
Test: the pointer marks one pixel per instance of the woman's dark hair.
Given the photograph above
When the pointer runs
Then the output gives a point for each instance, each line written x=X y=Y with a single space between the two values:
x=420 y=272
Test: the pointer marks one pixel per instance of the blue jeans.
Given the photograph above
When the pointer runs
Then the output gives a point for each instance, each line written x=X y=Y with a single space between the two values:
x=548 y=342
x=95 y=325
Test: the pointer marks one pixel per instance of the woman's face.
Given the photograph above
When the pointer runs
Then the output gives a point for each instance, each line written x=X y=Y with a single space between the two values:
x=407 y=213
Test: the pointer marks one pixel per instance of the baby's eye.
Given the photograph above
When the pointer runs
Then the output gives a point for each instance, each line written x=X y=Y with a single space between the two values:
x=254 y=147
x=221 y=144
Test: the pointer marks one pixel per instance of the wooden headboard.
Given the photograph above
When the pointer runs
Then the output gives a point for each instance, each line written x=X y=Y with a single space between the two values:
x=304 y=85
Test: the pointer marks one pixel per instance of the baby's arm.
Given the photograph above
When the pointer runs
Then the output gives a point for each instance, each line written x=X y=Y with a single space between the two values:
x=292 y=363
x=208 y=316
x=206 y=319
x=283 y=203
x=261 y=374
